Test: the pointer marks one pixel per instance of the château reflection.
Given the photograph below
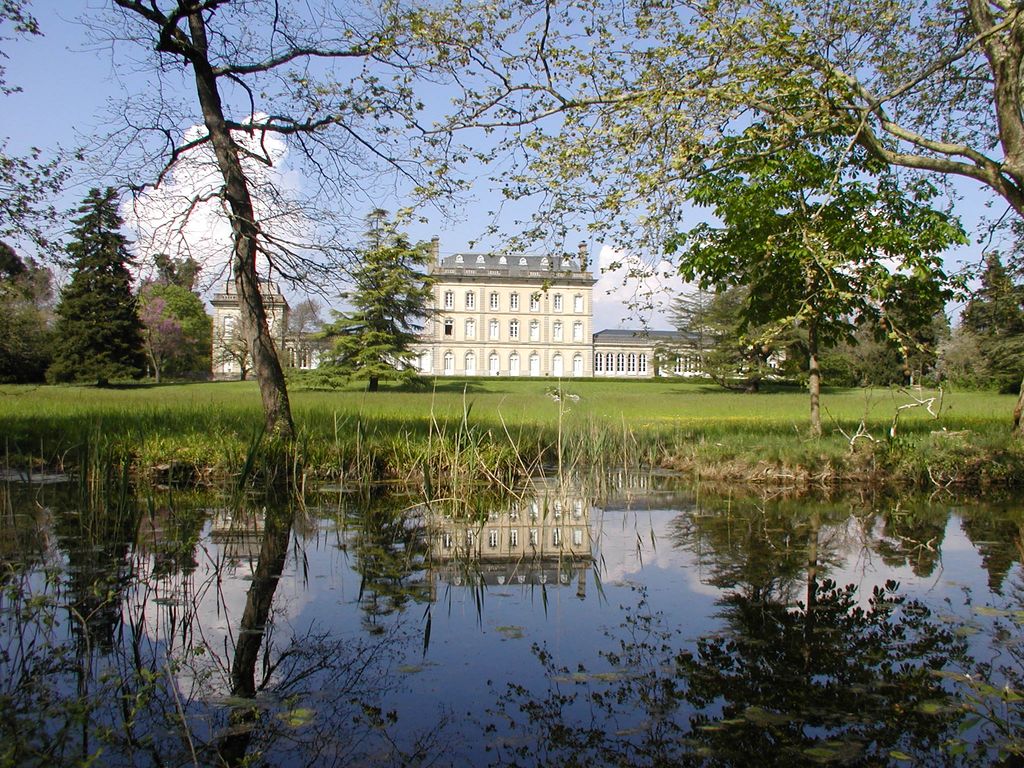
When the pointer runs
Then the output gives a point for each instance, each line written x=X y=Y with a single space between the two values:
x=540 y=537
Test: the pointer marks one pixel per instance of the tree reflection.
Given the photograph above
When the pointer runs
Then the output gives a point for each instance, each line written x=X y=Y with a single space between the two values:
x=802 y=671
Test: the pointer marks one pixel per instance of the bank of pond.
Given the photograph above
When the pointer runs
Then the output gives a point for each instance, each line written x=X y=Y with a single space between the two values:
x=629 y=618
x=505 y=431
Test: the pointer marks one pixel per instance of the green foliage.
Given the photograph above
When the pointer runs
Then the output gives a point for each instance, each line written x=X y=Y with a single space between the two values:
x=734 y=353
x=188 y=353
x=25 y=298
x=389 y=299
x=994 y=319
x=98 y=334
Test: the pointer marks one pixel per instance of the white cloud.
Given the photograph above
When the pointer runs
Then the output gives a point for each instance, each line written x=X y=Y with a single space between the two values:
x=632 y=292
x=185 y=216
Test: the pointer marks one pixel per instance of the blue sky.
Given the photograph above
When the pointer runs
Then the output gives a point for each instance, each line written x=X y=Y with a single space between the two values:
x=68 y=82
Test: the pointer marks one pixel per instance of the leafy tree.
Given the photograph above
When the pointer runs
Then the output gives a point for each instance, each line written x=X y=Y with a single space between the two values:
x=994 y=317
x=304 y=325
x=618 y=108
x=177 y=332
x=733 y=354
x=389 y=300
x=26 y=292
x=179 y=272
x=98 y=336
x=806 y=229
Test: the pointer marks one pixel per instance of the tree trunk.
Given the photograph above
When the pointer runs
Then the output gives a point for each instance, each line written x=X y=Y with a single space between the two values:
x=374 y=384
x=245 y=230
x=814 y=376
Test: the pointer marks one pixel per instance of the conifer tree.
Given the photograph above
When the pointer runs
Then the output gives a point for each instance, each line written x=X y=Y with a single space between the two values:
x=98 y=335
x=389 y=300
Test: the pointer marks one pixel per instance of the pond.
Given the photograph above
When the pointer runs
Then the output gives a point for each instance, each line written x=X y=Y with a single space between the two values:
x=633 y=620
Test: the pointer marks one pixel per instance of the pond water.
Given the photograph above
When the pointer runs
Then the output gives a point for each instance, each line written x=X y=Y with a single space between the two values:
x=634 y=621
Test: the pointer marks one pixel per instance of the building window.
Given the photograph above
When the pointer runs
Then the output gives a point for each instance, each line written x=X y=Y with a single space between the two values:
x=513 y=302
x=513 y=329
x=449 y=363
x=556 y=537
x=470 y=300
x=577 y=537
x=492 y=539
x=492 y=330
x=598 y=362
x=470 y=364
x=677 y=366
x=577 y=331
x=513 y=537
x=534 y=330
x=446 y=540
x=522 y=261
x=535 y=364
x=535 y=302
x=577 y=303
x=577 y=365
x=631 y=363
x=471 y=329
x=620 y=363
x=577 y=508
x=534 y=510
x=513 y=364
x=493 y=365
x=495 y=301
x=556 y=331
x=556 y=366
x=449 y=299
x=229 y=327
x=459 y=259
x=449 y=327
x=469 y=539
x=642 y=364
x=534 y=539
x=557 y=301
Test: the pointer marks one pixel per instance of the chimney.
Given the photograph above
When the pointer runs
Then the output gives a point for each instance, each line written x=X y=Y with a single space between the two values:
x=435 y=249
x=584 y=256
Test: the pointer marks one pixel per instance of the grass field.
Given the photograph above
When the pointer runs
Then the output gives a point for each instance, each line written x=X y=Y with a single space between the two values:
x=691 y=425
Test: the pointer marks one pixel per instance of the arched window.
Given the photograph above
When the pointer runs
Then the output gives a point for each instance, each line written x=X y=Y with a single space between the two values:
x=449 y=364
x=577 y=365
x=493 y=364
x=535 y=364
x=556 y=365
x=598 y=362
x=620 y=363
x=470 y=364
x=513 y=364
x=609 y=362
x=642 y=364
x=631 y=363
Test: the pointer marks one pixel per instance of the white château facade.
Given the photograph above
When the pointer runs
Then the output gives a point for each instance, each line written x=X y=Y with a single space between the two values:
x=499 y=314
x=502 y=314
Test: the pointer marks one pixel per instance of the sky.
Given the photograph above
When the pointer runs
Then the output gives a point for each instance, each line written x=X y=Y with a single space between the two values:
x=69 y=83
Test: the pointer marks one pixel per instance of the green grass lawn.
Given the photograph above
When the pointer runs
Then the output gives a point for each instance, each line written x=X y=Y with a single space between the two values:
x=670 y=418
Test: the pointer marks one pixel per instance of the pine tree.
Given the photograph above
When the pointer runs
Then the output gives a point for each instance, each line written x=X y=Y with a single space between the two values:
x=995 y=318
x=389 y=300
x=98 y=333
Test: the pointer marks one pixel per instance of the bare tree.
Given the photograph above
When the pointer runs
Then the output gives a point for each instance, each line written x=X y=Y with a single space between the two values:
x=334 y=83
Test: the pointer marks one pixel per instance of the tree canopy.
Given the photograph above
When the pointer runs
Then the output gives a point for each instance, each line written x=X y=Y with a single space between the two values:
x=389 y=299
x=98 y=336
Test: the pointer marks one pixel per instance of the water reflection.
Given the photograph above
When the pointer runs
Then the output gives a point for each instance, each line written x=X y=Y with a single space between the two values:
x=636 y=622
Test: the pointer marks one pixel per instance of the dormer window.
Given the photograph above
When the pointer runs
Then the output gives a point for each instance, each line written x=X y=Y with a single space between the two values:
x=480 y=259
x=458 y=259
x=522 y=261
x=544 y=263
x=503 y=261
